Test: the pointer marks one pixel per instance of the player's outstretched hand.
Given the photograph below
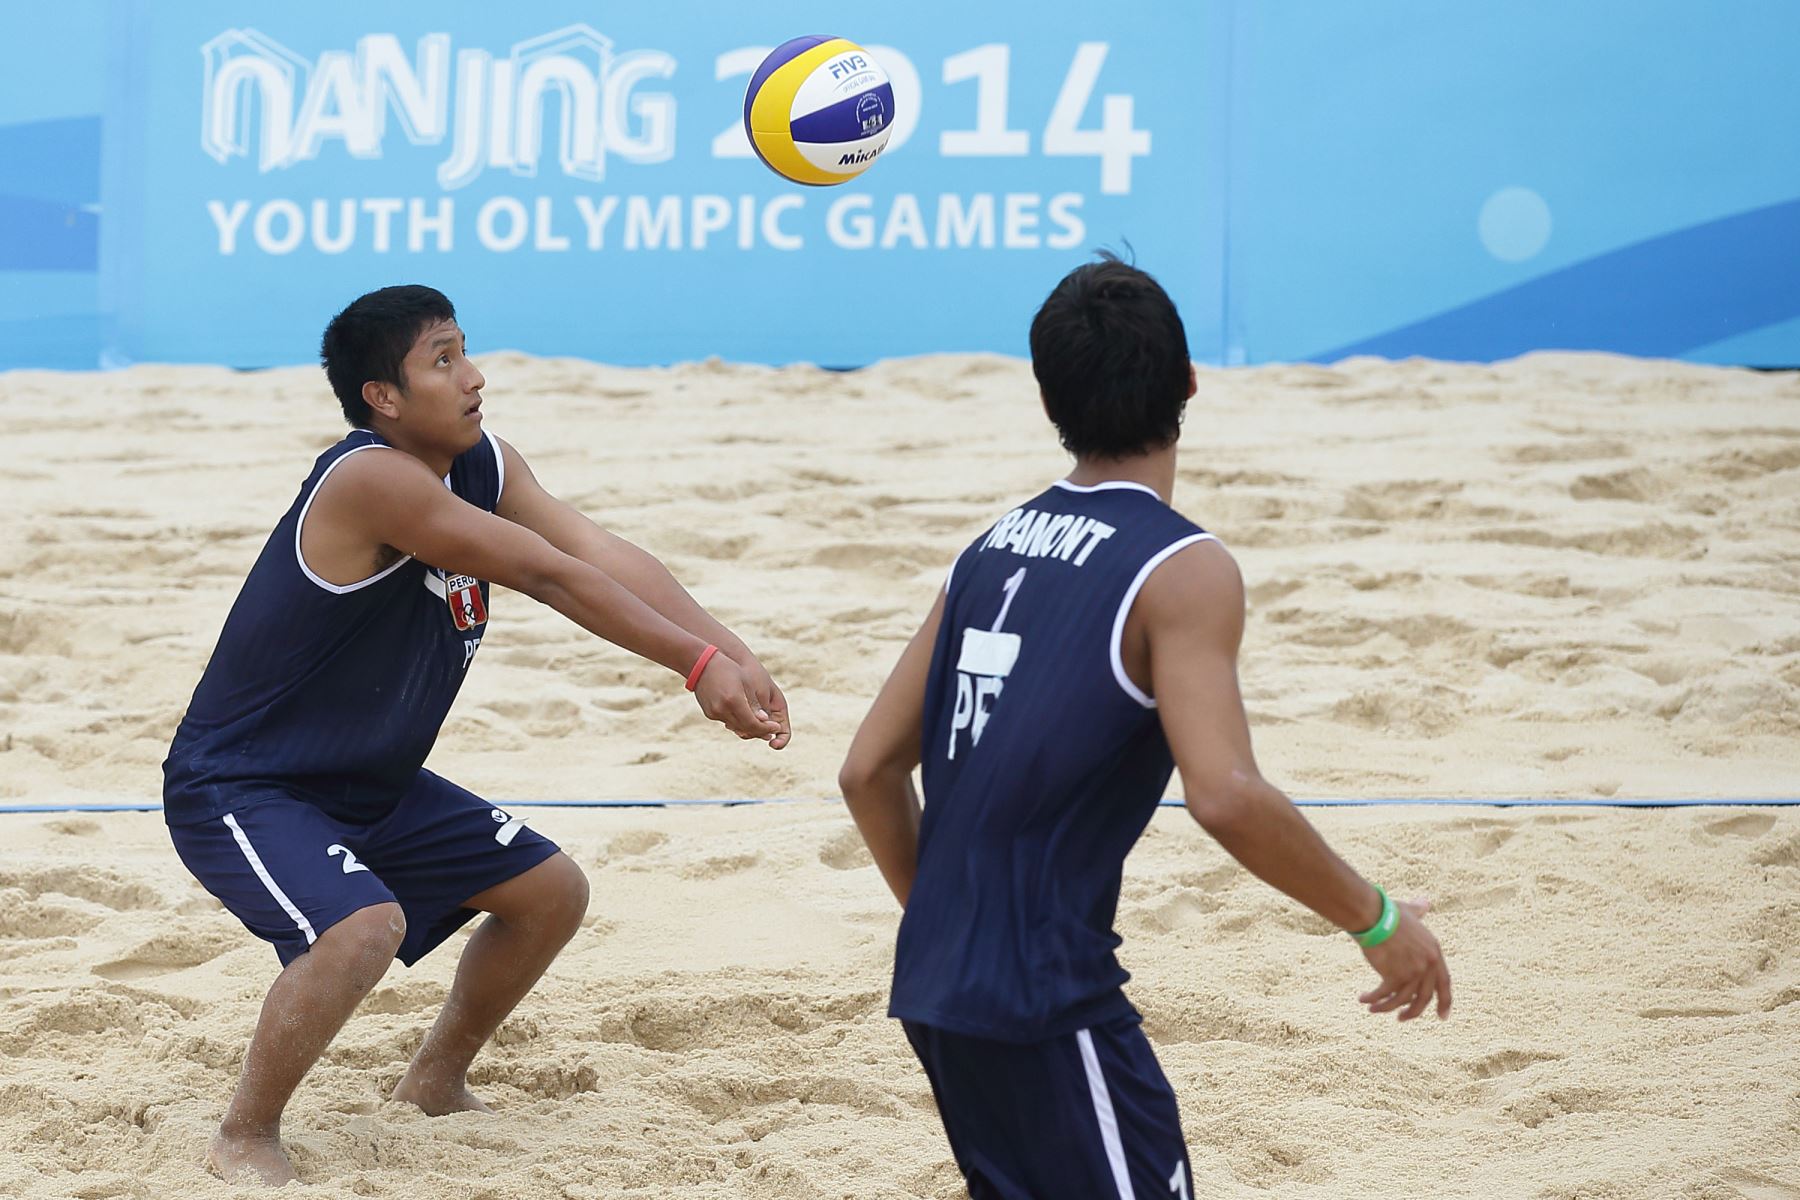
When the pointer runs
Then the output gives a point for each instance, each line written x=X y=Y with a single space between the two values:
x=768 y=697
x=727 y=696
x=1412 y=968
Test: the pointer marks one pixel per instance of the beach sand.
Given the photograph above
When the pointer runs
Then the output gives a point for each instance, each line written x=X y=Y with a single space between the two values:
x=1567 y=576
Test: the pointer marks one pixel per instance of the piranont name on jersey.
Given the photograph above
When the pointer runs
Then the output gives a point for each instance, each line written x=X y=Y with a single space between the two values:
x=1035 y=534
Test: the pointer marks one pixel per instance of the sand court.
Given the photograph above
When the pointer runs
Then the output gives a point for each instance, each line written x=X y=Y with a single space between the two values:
x=1628 y=985
x=1566 y=576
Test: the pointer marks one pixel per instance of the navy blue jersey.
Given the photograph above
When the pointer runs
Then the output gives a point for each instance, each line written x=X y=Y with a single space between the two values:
x=331 y=693
x=1042 y=763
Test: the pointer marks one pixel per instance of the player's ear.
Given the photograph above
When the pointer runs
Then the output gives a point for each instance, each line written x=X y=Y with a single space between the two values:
x=381 y=398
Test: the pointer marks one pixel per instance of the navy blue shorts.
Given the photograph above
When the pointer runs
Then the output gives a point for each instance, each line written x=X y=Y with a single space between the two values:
x=289 y=872
x=1086 y=1116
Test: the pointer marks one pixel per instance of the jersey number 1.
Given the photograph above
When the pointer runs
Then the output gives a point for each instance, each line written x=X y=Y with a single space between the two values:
x=987 y=658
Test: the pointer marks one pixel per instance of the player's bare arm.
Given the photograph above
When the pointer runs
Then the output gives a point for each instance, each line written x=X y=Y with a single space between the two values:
x=1181 y=644
x=386 y=498
x=876 y=778
x=525 y=502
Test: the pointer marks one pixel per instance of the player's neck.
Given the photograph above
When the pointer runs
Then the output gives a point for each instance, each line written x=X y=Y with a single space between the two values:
x=1155 y=470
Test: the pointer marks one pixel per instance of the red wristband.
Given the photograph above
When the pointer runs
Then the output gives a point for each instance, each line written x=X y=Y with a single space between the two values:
x=693 y=679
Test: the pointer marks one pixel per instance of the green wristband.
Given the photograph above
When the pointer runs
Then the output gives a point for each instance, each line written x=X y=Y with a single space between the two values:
x=1383 y=928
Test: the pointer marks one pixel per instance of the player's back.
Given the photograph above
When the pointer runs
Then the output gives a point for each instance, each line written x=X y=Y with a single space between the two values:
x=1042 y=764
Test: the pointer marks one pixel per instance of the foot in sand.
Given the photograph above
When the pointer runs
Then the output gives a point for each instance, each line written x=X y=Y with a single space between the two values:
x=251 y=1158
x=439 y=1099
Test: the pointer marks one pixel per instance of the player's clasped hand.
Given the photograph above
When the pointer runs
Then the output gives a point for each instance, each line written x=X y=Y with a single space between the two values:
x=1412 y=968
x=770 y=702
x=747 y=702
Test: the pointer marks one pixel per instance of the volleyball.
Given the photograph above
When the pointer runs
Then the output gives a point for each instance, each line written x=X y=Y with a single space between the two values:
x=819 y=110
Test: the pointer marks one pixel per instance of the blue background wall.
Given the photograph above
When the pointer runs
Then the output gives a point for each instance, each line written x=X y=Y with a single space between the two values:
x=51 y=61
x=1462 y=180
x=1641 y=160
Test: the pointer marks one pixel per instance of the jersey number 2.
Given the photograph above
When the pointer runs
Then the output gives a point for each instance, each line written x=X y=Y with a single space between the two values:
x=350 y=863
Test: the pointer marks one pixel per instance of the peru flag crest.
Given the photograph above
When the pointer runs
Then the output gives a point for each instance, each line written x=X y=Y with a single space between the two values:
x=463 y=592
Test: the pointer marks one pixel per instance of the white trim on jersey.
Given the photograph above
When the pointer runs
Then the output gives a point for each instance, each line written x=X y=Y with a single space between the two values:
x=339 y=589
x=1109 y=1121
x=499 y=466
x=262 y=873
x=1137 y=585
x=1110 y=485
x=951 y=573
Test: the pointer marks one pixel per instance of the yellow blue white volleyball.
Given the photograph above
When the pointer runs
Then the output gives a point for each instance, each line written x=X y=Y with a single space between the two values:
x=819 y=110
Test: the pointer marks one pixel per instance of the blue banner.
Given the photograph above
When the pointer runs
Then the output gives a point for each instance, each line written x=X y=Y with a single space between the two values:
x=51 y=58
x=1474 y=181
x=1310 y=179
x=578 y=181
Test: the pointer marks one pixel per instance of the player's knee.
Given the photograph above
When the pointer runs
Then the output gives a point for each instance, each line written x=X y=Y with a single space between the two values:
x=567 y=896
x=366 y=941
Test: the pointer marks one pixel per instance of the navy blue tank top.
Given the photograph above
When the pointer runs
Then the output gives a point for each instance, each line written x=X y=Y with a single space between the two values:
x=1042 y=764
x=331 y=693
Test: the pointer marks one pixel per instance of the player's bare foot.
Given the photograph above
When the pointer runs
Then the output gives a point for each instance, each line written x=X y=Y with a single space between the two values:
x=437 y=1100
x=250 y=1158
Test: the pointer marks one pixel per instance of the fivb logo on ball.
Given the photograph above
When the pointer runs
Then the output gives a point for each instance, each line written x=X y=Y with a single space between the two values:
x=818 y=110
x=491 y=109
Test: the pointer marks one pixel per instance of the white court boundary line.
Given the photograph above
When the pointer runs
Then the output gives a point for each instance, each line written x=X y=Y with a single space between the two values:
x=1313 y=802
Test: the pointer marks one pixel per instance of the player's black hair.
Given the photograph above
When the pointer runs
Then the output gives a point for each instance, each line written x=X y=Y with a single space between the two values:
x=1111 y=358
x=369 y=340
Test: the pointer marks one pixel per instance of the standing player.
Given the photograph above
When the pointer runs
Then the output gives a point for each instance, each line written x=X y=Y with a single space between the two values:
x=294 y=790
x=1081 y=649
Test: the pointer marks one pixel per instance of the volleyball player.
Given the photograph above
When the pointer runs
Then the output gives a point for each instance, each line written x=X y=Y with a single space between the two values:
x=1082 y=648
x=295 y=789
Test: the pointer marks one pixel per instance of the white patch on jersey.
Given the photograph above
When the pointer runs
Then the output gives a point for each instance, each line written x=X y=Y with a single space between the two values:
x=988 y=653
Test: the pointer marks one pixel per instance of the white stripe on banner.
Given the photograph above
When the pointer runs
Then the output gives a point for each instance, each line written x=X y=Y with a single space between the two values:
x=1103 y=1109
x=262 y=873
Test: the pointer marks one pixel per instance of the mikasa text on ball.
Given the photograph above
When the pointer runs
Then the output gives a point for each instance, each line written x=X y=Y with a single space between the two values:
x=819 y=110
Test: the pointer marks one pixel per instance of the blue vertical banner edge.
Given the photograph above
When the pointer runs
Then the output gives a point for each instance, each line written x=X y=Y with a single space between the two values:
x=1231 y=330
x=1222 y=35
x=124 y=135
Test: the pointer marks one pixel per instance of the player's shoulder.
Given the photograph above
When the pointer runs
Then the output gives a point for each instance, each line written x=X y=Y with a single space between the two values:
x=374 y=473
x=378 y=460
x=1198 y=573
